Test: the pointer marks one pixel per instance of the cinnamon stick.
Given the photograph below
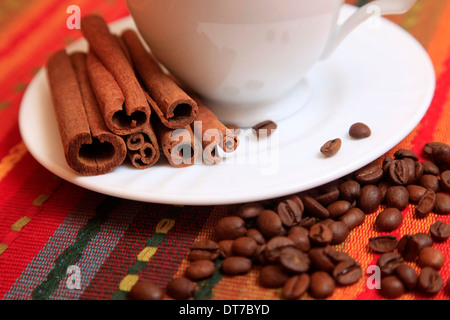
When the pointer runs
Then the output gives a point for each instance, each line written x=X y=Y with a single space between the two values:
x=89 y=147
x=143 y=148
x=125 y=109
x=174 y=107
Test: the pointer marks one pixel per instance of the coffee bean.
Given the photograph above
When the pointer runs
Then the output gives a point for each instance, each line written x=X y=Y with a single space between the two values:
x=270 y=224
x=294 y=260
x=273 y=276
x=430 y=181
x=340 y=232
x=300 y=237
x=441 y=157
x=407 y=275
x=386 y=164
x=315 y=208
x=389 y=219
x=388 y=262
x=244 y=246
x=410 y=165
x=226 y=248
x=431 y=146
x=418 y=174
x=442 y=205
x=353 y=217
x=397 y=197
x=331 y=147
x=383 y=244
x=409 y=246
x=430 y=281
x=415 y=192
x=230 y=228
x=200 y=269
x=370 y=198
x=369 y=174
x=398 y=172
x=296 y=286
x=338 y=208
x=430 y=168
x=444 y=182
x=206 y=249
x=391 y=287
x=320 y=234
x=328 y=198
x=275 y=245
x=259 y=257
x=405 y=153
x=359 y=130
x=236 y=265
x=307 y=222
x=384 y=186
x=256 y=235
x=431 y=257
x=265 y=128
x=144 y=290
x=181 y=288
x=350 y=190
x=426 y=203
x=290 y=210
x=326 y=258
x=249 y=211
x=347 y=272
x=440 y=231
x=321 y=285
x=423 y=239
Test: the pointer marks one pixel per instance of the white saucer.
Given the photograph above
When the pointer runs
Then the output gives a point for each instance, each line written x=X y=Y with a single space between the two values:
x=382 y=77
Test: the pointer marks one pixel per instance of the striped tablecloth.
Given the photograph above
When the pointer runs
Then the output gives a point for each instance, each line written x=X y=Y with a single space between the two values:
x=48 y=224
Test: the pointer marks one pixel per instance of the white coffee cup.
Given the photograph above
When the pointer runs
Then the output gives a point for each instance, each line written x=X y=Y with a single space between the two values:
x=247 y=57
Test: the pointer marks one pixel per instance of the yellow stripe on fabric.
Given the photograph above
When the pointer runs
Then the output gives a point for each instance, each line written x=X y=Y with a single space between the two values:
x=19 y=224
x=15 y=155
x=128 y=282
x=165 y=225
x=146 y=254
x=3 y=247
x=41 y=199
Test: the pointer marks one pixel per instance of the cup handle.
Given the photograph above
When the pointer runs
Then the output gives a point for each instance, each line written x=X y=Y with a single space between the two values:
x=378 y=7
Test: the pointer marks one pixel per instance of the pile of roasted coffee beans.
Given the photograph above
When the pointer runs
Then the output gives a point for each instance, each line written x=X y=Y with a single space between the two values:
x=292 y=240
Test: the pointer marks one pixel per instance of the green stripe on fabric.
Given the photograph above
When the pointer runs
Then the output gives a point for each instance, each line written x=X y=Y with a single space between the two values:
x=207 y=286
x=72 y=254
x=154 y=240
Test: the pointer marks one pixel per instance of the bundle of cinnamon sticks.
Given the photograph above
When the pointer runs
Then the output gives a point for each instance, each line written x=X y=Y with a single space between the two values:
x=115 y=102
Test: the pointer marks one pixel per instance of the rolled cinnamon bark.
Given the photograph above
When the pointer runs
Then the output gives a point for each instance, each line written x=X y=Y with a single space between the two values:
x=127 y=114
x=174 y=107
x=143 y=148
x=178 y=145
x=89 y=147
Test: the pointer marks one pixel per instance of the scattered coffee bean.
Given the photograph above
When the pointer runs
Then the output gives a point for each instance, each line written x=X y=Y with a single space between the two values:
x=206 y=249
x=144 y=290
x=296 y=286
x=430 y=181
x=244 y=246
x=273 y=276
x=256 y=235
x=407 y=275
x=347 y=272
x=353 y=218
x=426 y=203
x=320 y=234
x=349 y=190
x=442 y=205
x=315 y=208
x=294 y=260
x=338 y=208
x=430 y=281
x=444 y=182
x=249 y=211
x=431 y=257
x=328 y=198
x=440 y=231
x=226 y=248
x=230 y=228
x=383 y=244
x=307 y=222
x=389 y=219
x=369 y=174
x=321 y=285
x=391 y=287
x=398 y=172
x=431 y=146
x=388 y=262
x=270 y=224
x=415 y=192
x=236 y=265
x=331 y=147
x=441 y=157
x=340 y=232
x=409 y=246
x=181 y=288
x=326 y=258
x=397 y=197
x=265 y=128
x=405 y=153
x=275 y=245
x=200 y=269
x=300 y=237
x=430 y=168
x=359 y=130
x=290 y=211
